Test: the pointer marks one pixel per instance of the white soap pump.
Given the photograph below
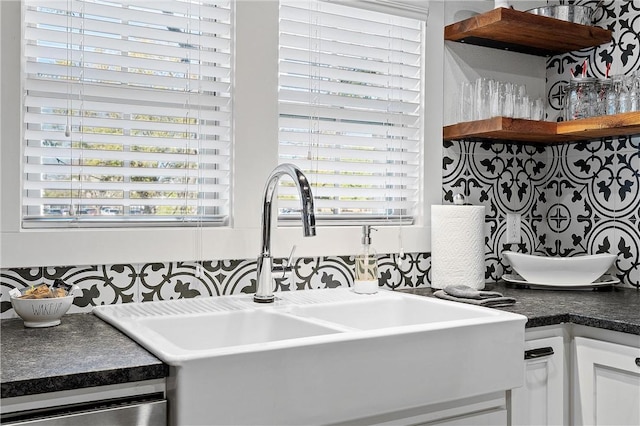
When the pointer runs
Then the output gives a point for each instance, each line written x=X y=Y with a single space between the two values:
x=366 y=276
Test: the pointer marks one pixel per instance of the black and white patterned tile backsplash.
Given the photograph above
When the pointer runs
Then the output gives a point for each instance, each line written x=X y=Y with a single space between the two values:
x=573 y=199
x=110 y=284
x=578 y=198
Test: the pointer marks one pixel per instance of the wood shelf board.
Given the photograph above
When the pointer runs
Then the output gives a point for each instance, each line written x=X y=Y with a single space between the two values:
x=547 y=132
x=602 y=126
x=504 y=128
x=525 y=32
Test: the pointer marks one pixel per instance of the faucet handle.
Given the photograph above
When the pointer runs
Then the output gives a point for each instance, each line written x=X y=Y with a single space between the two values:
x=290 y=260
x=286 y=268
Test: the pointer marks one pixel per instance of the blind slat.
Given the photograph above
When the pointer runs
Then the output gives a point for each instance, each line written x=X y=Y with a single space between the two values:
x=328 y=112
x=372 y=129
x=303 y=138
x=116 y=77
x=359 y=206
x=58 y=140
x=373 y=170
x=60 y=169
x=175 y=202
x=135 y=95
x=365 y=194
x=352 y=102
x=291 y=54
x=109 y=155
x=372 y=22
x=214 y=105
x=60 y=57
x=133 y=186
x=363 y=155
x=393 y=82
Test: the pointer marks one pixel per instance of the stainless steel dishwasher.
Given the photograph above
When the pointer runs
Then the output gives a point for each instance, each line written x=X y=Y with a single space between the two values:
x=139 y=410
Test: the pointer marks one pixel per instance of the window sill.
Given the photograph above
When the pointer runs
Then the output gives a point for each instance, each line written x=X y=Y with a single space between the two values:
x=61 y=247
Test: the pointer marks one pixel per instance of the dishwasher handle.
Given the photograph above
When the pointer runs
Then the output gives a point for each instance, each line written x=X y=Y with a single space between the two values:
x=538 y=353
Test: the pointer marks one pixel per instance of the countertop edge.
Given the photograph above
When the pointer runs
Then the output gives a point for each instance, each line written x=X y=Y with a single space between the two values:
x=83 y=380
x=532 y=305
x=605 y=324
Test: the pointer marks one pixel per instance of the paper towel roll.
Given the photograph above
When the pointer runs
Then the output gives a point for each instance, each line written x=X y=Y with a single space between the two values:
x=457 y=246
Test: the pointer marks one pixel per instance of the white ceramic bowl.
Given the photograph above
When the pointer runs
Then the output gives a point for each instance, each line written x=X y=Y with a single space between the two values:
x=42 y=312
x=579 y=270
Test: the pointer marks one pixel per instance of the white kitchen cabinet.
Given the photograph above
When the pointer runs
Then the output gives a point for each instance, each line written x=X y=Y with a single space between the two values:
x=540 y=401
x=606 y=383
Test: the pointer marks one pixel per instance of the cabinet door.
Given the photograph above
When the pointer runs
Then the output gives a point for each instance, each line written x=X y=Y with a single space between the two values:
x=540 y=400
x=606 y=383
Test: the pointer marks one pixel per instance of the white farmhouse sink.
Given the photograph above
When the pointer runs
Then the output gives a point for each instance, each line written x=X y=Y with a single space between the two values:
x=181 y=336
x=376 y=313
x=322 y=356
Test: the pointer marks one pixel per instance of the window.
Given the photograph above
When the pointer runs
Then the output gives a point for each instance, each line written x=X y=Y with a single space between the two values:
x=127 y=112
x=351 y=101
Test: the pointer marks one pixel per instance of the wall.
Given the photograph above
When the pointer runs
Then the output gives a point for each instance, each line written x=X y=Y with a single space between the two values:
x=255 y=142
x=593 y=189
x=574 y=198
x=579 y=198
x=121 y=265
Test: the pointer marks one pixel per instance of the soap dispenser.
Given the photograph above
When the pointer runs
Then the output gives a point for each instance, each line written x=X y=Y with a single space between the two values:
x=366 y=276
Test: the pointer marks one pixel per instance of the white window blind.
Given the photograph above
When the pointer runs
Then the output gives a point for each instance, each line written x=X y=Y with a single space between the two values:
x=351 y=102
x=127 y=111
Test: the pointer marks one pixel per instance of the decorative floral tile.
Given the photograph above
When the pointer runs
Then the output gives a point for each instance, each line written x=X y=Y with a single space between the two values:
x=626 y=243
x=626 y=184
x=98 y=285
x=410 y=271
x=320 y=272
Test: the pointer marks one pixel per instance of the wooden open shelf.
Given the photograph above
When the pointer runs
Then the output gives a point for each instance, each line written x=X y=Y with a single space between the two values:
x=525 y=32
x=602 y=126
x=515 y=129
x=528 y=33
x=504 y=128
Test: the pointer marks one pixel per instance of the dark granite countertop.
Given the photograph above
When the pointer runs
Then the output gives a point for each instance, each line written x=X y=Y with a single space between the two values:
x=83 y=351
x=614 y=308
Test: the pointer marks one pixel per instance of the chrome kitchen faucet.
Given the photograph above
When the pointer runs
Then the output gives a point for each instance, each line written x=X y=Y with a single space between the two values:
x=265 y=286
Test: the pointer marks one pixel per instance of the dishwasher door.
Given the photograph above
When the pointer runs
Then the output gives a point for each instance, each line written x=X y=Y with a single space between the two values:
x=126 y=412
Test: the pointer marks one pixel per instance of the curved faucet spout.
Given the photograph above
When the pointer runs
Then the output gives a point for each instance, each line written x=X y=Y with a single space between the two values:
x=264 y=291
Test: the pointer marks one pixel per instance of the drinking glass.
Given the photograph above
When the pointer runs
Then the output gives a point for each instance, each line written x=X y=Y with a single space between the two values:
x=634 y=91
x=481 y=111
x=465 y=102
x=622 y=93
x=602 y=91
x=537 y=110
x=496 y=97
x=524 y=107
x=611 y=102
x=580 y=99
x=508 y=100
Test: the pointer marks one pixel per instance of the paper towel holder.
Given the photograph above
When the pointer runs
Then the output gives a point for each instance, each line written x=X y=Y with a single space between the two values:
x=458 y=199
